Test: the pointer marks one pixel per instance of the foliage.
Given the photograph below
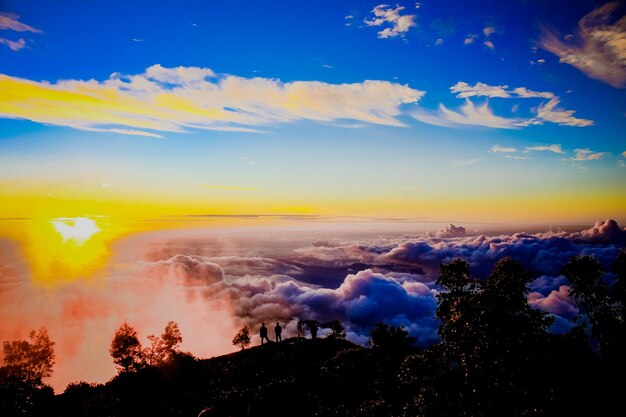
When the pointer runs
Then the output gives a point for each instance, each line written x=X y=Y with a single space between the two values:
x=337 y=330
x=591 y=294
x=163 y=349
x=126 y=349
x=242 y=338
x=30 y=360
x=391 y=339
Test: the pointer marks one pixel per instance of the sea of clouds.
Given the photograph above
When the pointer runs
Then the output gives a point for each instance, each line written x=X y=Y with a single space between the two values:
x=213 y=284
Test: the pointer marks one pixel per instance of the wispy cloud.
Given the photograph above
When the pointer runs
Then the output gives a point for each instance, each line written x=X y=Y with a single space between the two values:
x=469 y=114
x=385 y=15
x=599 y=47
x=465 y=162
x=549 y=148
x=178 y=99
x=10 y=21
x=489 y=45
x=552 y=113
x=13 y=45
x=482 y=115
x=523 y=92
x=488 y=31
x=465 y=90
x=498 y=149
x=587 y=155
x=469 y=39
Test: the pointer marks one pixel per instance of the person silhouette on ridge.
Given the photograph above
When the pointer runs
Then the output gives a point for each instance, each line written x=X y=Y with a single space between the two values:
x=263 y=333
x=278 y=330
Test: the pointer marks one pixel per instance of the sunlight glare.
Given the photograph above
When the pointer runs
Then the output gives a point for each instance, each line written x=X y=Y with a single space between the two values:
x=78 y=230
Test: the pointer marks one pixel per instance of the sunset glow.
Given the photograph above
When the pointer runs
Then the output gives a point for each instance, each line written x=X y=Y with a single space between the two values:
x=222 y=164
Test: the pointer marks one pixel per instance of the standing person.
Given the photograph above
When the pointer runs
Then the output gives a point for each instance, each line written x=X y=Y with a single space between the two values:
x=263 y=333
x=278 y=330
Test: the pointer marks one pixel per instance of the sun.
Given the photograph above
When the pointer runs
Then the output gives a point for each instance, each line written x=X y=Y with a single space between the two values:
x=77 y=230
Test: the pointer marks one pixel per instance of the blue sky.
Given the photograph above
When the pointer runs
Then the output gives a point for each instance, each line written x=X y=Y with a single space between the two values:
x=448 y=54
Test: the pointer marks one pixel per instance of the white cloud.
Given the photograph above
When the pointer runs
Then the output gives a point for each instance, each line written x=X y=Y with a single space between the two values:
x=439 y=42
x=465 y=90
x=469 y=39
x=385 y=15
x=523 y=92
x=489 y=45
x=483 y=116
x=10 y=21
x=13 y=45
x=488 y=31
x=498 y=148
x=469 y=115
x=549 y=148
x=600 y=47
x=551 y=113
x=177 y=99
x=516 y=157
x=587 y=155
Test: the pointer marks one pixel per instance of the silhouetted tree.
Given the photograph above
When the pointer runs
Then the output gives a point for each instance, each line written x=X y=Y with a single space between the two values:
x=126 y=349
x=618 y=292
x=458 y=310
x=242 y=338
x=29 y=361
x=591 y=294
x=337 y=330
x=163 y=349
x=391 y=339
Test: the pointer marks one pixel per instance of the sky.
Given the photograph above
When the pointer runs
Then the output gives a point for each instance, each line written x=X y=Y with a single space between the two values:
x=447 y=110
x=234 y=160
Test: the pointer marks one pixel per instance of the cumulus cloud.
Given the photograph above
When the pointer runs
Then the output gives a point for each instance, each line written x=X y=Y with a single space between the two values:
x=451 y=230
x=398 y=24
x=489 y=45
x=604 y=232
x=599 y=49
x=177 y=99
x=488 y=31
x=557 y=302
x=587 y=155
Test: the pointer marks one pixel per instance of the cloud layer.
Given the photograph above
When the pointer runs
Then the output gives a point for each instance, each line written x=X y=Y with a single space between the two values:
x=177 y=99
x=212 y=285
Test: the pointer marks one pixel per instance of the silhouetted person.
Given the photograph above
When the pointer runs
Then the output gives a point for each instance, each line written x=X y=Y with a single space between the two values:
x=278 y=330
x=263 y=333
x=300 y=328
x=313 y=328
